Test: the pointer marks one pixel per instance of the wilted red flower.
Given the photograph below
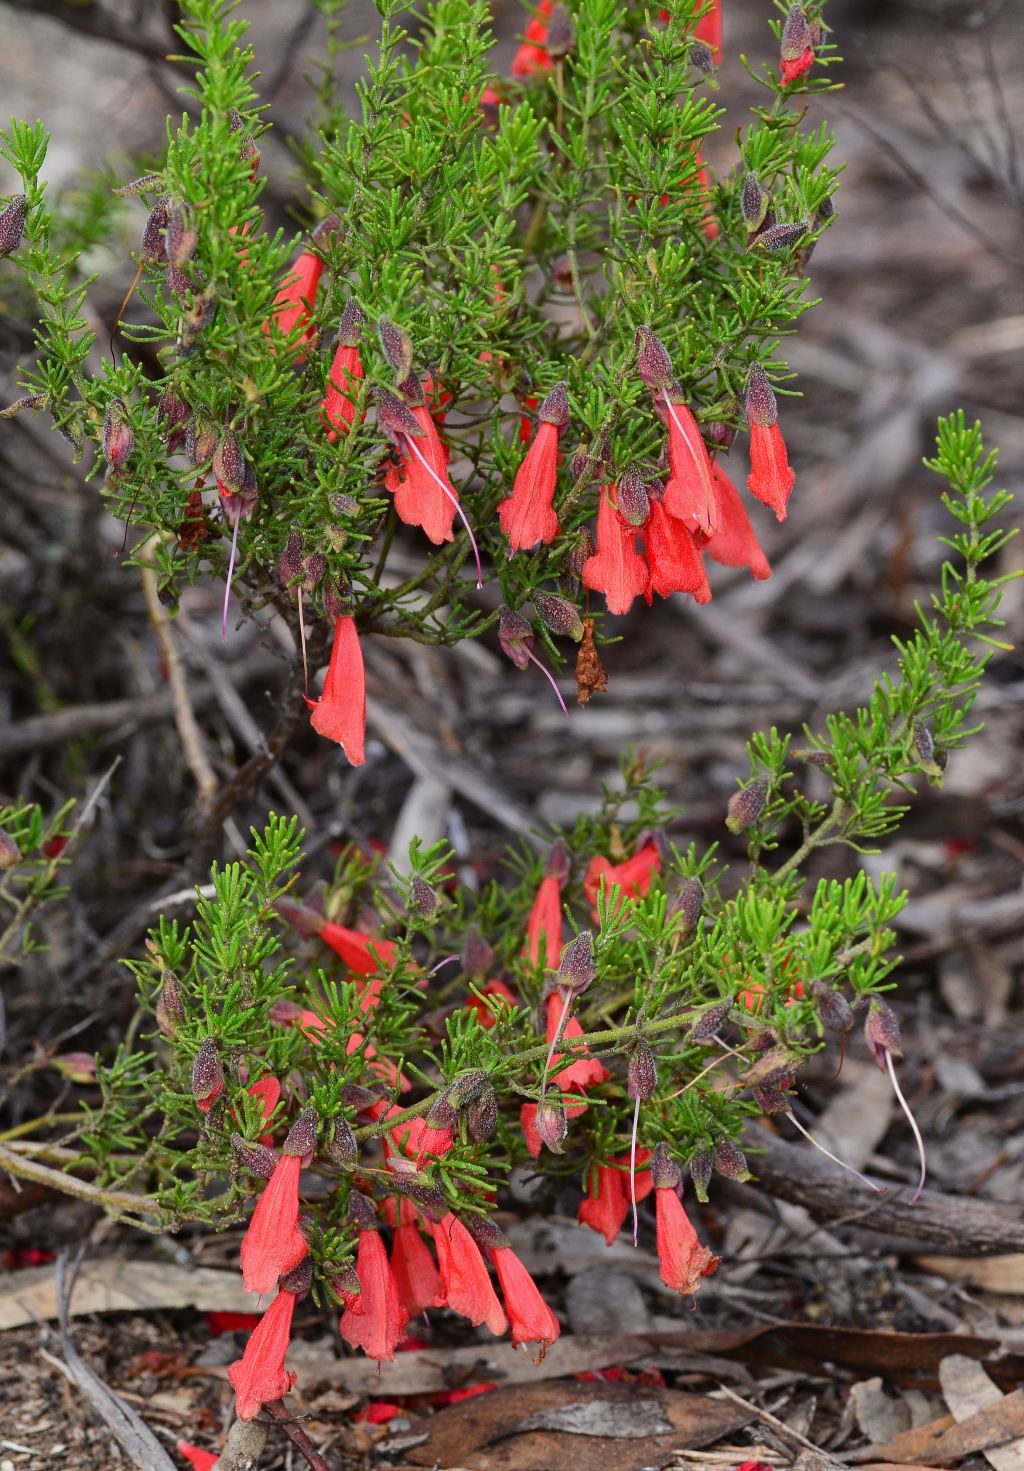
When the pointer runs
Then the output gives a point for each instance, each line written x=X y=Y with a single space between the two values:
x=690 y=492
x=338 y=408
x=616 y=570
x=417 y=1279
x=467 y=1283
x=532 y=55
x=531 y=1319
x=273 y=1245
x=672 y=556
x=633 y=876
x=293 y=304
x=735 y=545
x=260 y=1375
x=770 y=479
x=585 y=1073
x=380 y=1327
x=683 y=1260
x=340 y=713
x=526 y=515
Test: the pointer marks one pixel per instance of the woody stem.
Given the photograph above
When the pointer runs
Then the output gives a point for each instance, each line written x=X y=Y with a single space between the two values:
x=839 y=813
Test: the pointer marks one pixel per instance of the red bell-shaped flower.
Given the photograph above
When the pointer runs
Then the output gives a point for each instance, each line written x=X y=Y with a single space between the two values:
x=420 y=485
x=616 y=570
x=380 y=1327
x=531 y=1318
x=672 y=556
x=735 y=545
x=260 y=1375
x=690 y=492
x=770 y=479
x=417 y=1279
x=467 y=1283
x=273 y=1245
x=340 y=712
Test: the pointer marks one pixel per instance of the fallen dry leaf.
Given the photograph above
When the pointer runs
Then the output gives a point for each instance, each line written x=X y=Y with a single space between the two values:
x=968 y=1391
x=992 y=1273
x=946 y=1440
x=112 y=1285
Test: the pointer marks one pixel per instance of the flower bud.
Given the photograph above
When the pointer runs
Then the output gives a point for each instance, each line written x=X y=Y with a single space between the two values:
x=315 y=569
x=688 y=902
x=782 y=237
x=559 y=615
x=720 y=435
x=770 y=1100
x=422 y=898
x=411 y=390
x=576 y=968
x=229 y=462
x=396 y=346
x=923 y=744
x=341 y=1148
x=30 y=401
x=351 y=325
x=290 y=570
x=631 y=504
x=339 y=597
x=753 y=202
x=361 y=1211
x=551 y=1122
x=118 y=435
x=560 y=38
x=774 y=1066
x=701 y=1166
x=207 y=1075
x=557 y=865
x=12 y=224
x=730 y=1161
x=482 y=1115
x=10 y=853
x=429 y=1198
x=827 y=208
x=178 y=285
x=362 y=1099
x=761 y=406
x=477 y=956
x=301 y=1137
x=583 y=549
x=709 y=1021
x=343 y=1284
x=701 y=58
x=833 y=1008
x=653 y=362
x=554 y=408
x=642 y=1073
x=443 y=1113
x=882 y=1031
x=515 y=636
x=256 y=1158
x=665 y=1171
x=181 y=237
x=392 y=415
x=763 y=1041
x=154 y=249
x=170 y=1009
x=796 y=35
x=746 y=805
x=172 y=415
x=299 y=1280
x=323 y=232
x=146 y=185
x=294 y=1087
x=200 y=439
x=467 y=1086
x=483 y=1231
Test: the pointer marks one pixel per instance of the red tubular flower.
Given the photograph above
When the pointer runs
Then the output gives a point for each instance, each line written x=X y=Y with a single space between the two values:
x=272 y=1245
x=526 y=515
x=616 y=570
x=735 y=545
x=605 y=1210
x=683 y=1260
x=381 y=1325
x=583 y=1074
x=545 y=923
x=532 y=56
x=417 y=1279
x=467 y=1284
x=690 y=492
x=709 y=30
x=260 y=1375
x=419 y=498
x=268 y=1091
x=340 y=713
x=293 y=304
x=634 y=876
x=355 y=948
x=435 y=1141
x=201 y=1460
x=672 y=555
x=531 y=1318
x=770 y=479
x=338 y=408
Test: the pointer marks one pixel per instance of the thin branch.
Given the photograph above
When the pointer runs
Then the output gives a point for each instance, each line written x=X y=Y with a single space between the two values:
x=115 y=1200
x=295 y=1433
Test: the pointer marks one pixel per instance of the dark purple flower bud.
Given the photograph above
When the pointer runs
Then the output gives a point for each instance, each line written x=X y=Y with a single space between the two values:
x=256 y=1158
x=753 y=202
x=578 y=462
x=341 y=1148
x=554 y=409
x=770 y=1100
x=361 y=1098
x=148 y=184
x=342 y=1283
x=701 y=1166
x=584 y=548
x=782 y=237
x=702 y=59
x=746 y=805
x=118 y=435
x=666 y=1173
x=775 y=1066
x=833 y=1008
x=576 y=969
x=827 y=208
x=719 y=434
x=170 y=1009
x=181 y=236
x=294 y=1088
x=339 y=597
x=551 y=1122
x=467 y=1086
x=632 y=506
x=429 y=1198
x=315 y=569
x=12 y=224
x=361 y=1211
x=172 y=415
x=154 y=249
x=301 y=1137
x=763 y=1041
x=796 y=35
x=653 y=362
x=411 y=390
x=882 y=1032
x=642 y=1072
x=559 y=615
x=709 y=1021
x=730 y=1161
x=923 y=744
x=290 y=570
x=761 y=406
x=482 y=1115
x=323 y=232
x=688 y=902
x=443 y=1113
x=229 y=462
x=299 y=1280
x=207 y=1075
x=483 y=1231
x=477 y=956
x=351 y=325
x=393 y=416
x=10 y=853
x=396 y=346
x=557 y=865
x=560 y=38
x=515 y=636
x=200 y=439
x=422 y=898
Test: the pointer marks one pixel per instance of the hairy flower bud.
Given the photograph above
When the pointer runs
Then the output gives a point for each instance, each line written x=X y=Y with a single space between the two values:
x=256 y=1158
x=687 y=902
x=701 y=58
x=551 y=1122
x=653 y=362
x=301 y=1137
x=200 y=439
x=118 y=435
x=393 y=416
x=924 y=746
x=882 y=1031
x=315 y=569
x=773 y=1066
x=207 y=1075
x=515 y=636
x=351 y=325
x=443 y=1113
x=361 y=1212
x=782 y=237
x=827 y=208
x=342 y=1283
x=631 y=505
x=477 y=956
x=360 y=1098
x=430 y=1199
x=299 y=1280
x=422 y=898
x=554 y=409
x=146 y=185
x=761 y=406
x=484 y=1231
x=583 y=549
x=701 y=1166
x=170 y=1009
x=560 y=38
x=172 y=415
x=665 y=1171
x=339 y=597
x=12 y=224
x=181 y=237
x=642 y=1072
x=290 y=570
x=29 y=401
x=730 y=1161
x=746 y=805
x=467 y=1086
x=482 y=1115
x=770 y=1100
x=753 y=202
x=10 y=853
x=576 y=968
x=719 y=434
x=796 y=35
x=709 y=1021
x=833 y=1008
x=341 y=1147
x=229 y=462
x=559 y=615
x=557 y=865
x=154 y=249
x=396 y=346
